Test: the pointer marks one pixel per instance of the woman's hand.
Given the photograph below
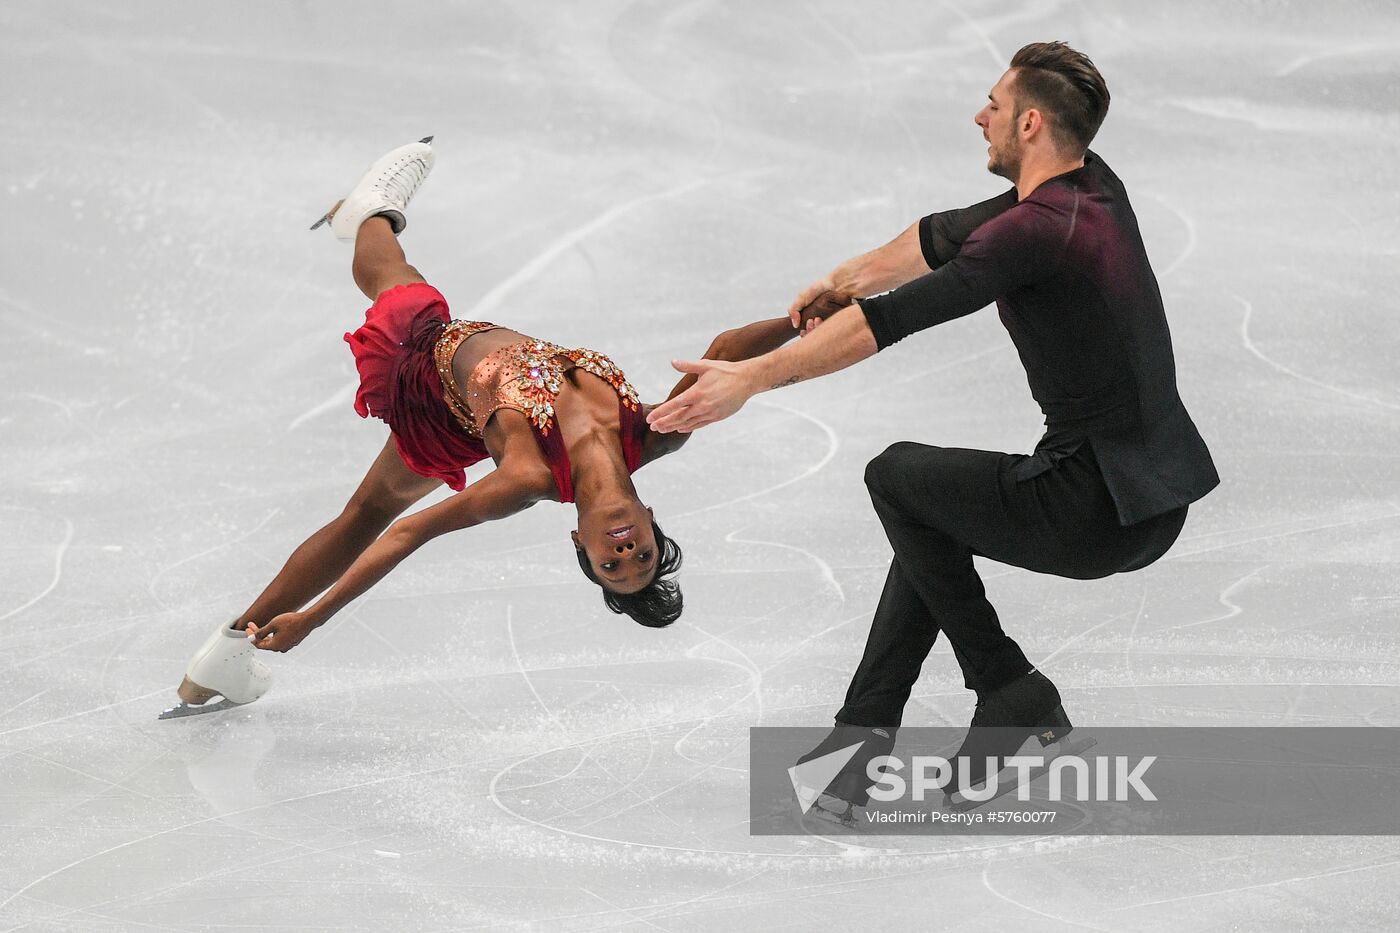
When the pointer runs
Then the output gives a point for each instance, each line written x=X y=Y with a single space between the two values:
x=817 y=302
x=283 y=633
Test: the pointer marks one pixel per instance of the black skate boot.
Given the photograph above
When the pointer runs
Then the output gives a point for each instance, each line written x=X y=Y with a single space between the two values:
x=1004 y=721
x=850 y=788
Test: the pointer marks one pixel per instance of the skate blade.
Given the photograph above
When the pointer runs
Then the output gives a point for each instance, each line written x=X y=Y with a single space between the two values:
x=328 y=215
x=185 y=710
x=1073 y=744
x=830 y=811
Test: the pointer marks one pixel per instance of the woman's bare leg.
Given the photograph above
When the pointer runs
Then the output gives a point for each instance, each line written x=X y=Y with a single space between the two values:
x=388 y=489
x=379 y=260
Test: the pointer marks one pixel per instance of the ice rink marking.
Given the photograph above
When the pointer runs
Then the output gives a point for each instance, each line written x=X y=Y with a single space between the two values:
x=1252 y=347
x=59 y=551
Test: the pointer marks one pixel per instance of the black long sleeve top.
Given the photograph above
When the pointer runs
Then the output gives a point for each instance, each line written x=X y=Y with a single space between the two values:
x=1074 y=288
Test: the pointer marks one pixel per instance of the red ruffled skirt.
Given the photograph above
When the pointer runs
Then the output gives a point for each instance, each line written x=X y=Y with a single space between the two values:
x=399 y=383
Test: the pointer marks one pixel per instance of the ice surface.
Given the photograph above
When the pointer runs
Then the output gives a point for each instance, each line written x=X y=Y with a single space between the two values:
x=479 y=744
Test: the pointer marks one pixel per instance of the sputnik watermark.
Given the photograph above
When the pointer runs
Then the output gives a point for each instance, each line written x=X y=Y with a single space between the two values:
x=1159 y=780
x=1118 y=778
x=1105 y=779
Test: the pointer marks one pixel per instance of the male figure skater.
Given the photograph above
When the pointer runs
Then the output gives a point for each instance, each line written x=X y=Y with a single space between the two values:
x=1107 y=487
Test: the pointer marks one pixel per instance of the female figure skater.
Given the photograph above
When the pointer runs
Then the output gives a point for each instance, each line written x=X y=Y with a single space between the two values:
x=561 y=424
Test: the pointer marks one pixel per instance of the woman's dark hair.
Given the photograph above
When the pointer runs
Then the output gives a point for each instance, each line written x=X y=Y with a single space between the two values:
x=655 y=605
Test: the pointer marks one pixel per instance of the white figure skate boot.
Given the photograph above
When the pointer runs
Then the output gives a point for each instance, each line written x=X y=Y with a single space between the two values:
x=384 y=190
x=225 y=667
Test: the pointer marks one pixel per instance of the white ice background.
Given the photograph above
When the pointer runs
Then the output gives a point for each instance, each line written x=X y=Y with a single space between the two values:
x=478 y=744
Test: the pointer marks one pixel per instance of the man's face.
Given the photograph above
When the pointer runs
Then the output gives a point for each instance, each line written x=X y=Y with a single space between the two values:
x=998 y=122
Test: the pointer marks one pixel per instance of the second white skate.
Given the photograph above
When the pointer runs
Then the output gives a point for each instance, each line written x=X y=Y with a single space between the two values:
x=384 y=190
x=225 y=667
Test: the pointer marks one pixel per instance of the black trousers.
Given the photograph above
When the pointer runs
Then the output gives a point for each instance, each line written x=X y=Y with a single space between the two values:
x=940 y=506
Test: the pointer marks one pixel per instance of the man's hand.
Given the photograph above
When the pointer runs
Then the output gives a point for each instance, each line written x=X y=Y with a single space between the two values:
x=817 y=302
x=721 y=390
x=283 y=633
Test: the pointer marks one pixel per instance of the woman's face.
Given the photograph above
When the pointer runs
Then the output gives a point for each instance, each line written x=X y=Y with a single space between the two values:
x=621 y=546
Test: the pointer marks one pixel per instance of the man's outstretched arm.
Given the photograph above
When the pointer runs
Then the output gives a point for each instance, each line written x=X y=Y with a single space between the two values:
x=889 y=266
x=740 y=343
x=924 y=245
x=723 y=387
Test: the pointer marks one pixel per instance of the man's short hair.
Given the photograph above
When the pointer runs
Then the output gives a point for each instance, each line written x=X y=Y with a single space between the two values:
x=1064 y=84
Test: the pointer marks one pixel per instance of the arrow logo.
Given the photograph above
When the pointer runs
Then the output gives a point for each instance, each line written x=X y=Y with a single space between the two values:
x=809 y=779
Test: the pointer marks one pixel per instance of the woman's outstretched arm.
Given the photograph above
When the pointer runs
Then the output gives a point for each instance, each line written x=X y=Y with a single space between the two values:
x=387 y=490
x=497 y=495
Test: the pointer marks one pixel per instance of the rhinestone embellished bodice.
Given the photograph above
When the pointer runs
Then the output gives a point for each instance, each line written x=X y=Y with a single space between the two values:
x=524 y=376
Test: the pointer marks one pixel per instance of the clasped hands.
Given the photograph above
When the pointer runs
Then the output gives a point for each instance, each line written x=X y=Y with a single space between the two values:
x=816 y=303
x=722 y=387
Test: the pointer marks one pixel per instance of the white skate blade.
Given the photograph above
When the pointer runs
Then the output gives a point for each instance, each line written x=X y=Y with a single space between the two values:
x=1073 y=744
x=185 y=710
